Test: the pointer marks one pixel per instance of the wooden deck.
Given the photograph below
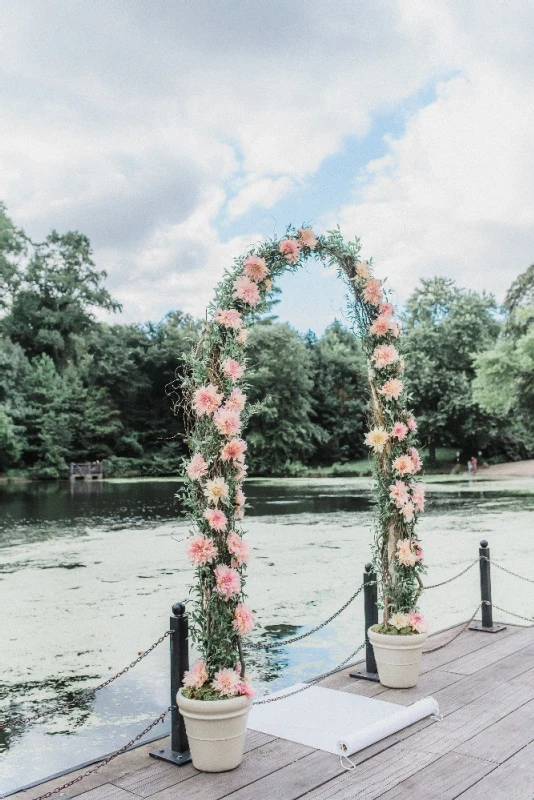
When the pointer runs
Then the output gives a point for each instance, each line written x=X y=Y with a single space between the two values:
x=482 y=750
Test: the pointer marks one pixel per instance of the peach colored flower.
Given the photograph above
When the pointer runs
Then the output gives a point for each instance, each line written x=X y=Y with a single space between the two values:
x=384 y=355
x=268 y=285
x=417 y=622
x=227 y=581
x=246 y=688
x=230 y=318
x=197 y=467
x=398 y=492
x=418 y=496
x=233 y=450
x=411 y=423
x=386 y=309
x=255 y=268
x=363 y=271
x=394 y=328
x=408 y=511
x=227 y=421
x=236 y=401
x=242 y=336
x=206 y=400
x=399 y=431
x=416 y=458
x=405 y=554
x=233 y=369
x=216 y=490
x=246 y=290
x=239 y=512
x=399 y=621
x=372 y=292
x=307 y=238
x=243 y=620
x=201 y=549
x=290 y=249
x=226 y=682
x=197 y=676
x=403 y=465
x=377 y=439
x=216 y=519
x=392 y=389
x=238 y=548
x=380 y=326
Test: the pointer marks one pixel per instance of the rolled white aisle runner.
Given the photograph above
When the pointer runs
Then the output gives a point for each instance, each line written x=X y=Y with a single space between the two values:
x=406 y=715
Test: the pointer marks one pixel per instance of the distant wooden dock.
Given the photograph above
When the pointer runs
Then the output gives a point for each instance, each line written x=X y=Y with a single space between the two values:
x=88 y=471
x=482 y=750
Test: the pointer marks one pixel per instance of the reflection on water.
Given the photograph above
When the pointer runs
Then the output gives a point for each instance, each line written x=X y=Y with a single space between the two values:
x=89 y=572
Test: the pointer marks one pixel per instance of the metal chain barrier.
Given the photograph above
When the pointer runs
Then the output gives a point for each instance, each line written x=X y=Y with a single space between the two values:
x=505 y=611
x=449 y=580
x=505 y=569
x=284 y=642
x=311 y=683
x=16 y=721
x=103 y=763
x=456 y=635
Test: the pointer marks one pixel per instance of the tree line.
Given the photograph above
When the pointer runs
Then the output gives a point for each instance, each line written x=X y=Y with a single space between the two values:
x=76 y=389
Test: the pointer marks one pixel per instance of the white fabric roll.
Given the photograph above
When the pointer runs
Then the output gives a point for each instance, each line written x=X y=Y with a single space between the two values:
x=406 y=715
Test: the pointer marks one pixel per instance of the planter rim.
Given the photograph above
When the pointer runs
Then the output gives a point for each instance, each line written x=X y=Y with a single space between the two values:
x=213 y=706
x=397 y=642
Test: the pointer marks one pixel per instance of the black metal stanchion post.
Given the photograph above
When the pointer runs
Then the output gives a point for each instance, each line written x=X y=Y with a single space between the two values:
x=486 y=625
x=178 y=752
x=370 y=598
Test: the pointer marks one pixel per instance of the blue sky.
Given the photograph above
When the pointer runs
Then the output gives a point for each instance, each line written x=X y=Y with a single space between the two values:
x=176 y=136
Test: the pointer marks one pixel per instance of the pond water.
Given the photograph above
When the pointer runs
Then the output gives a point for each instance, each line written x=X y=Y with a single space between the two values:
x=89 y=572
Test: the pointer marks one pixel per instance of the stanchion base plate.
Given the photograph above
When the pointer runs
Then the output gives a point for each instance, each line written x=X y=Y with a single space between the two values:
x=477 y=626
x=366 y=676
x=166 y=754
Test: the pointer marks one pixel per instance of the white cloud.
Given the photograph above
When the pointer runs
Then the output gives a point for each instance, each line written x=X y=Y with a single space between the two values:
x=265 y=192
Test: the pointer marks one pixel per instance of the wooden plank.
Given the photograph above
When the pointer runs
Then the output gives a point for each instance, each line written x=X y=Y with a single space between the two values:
x=468 y=642
x=428 y=684
x=159 y=775
x=471 y=663
x=501 y=741
x=106 y=792
x=469 y=720
x=513 y=780
x=259 y=763
x=443 y=779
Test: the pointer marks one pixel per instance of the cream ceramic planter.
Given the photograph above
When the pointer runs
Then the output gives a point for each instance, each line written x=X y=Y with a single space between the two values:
x=398 y=658
x=216 y=731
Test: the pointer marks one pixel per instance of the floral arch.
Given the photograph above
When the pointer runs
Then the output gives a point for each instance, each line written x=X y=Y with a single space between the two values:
x=216 y=414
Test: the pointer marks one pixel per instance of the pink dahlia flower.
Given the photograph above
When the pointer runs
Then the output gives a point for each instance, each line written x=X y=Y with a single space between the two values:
x=399 y=431
x=246 y=290
x=197 y=676
x=228 y=422
x=386 y=309
x=398 y=492
x=290 y=249
x=404 y=465
x=255 y=268
x=418 y=496
x=417 y=622
x=307 y=238
x=246 y=688
x=233 y=450
x=230 y=318
x=226 y=682
x=201 y=550
x=233 y=369
x=240 y=498
x=216 y=519
x=408 y=511
x=227 y=581
x=243 y=620
x=372 y=292
x=381 y=326
x=405 y=554
x=384 y=355
x=416 y=458
x=242 y=336
x=206 y=400
x=197 y=467
x=392 y=389
x=216 y=490
x=236 y=401
x=363 y=271
x=418 y=550
x=238 y=548
x=411 y=423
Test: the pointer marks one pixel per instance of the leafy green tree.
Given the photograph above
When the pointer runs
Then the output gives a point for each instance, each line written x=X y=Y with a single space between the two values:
x=280 y=375
x=340 y=394
x=13 y=247
x=10 y=442
x=445 y=327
